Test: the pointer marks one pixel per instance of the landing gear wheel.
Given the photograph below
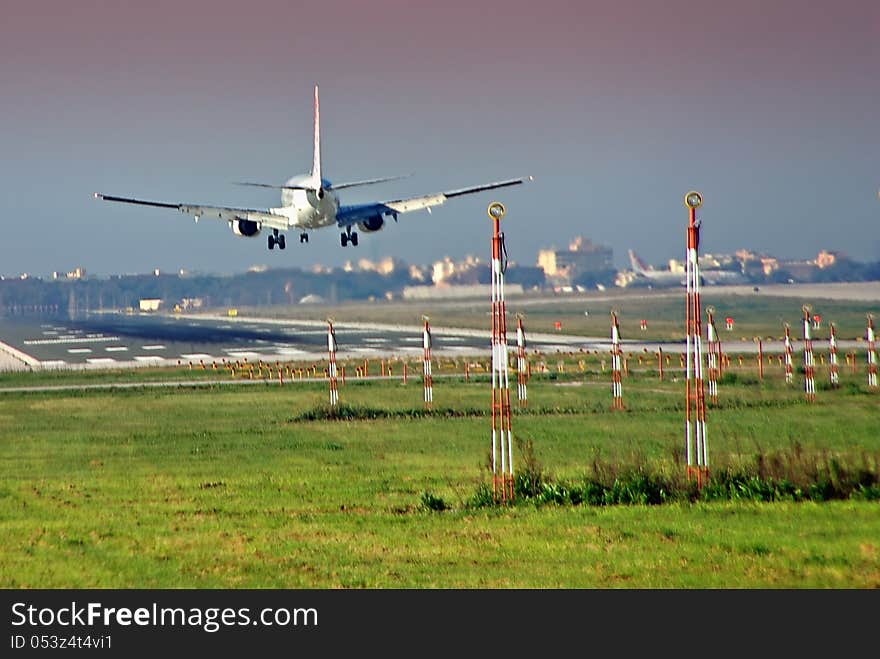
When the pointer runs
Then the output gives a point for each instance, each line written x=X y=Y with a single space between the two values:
x=354 y=238
x=282 y=243
x=271 y=242
x=343 y=238
x=304 y=237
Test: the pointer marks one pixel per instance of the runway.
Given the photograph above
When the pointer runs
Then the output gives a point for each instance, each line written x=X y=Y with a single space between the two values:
x=132 y=340
x=112 y=340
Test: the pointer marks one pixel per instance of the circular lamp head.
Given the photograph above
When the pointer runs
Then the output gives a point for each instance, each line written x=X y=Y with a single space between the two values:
x=807 y=309
x=496 y=210
x=693 y=199
x=710 y=310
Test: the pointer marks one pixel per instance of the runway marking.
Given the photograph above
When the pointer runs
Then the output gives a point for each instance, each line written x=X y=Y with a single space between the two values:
x=197 y=355
x=116 y=348
x=244 y=354
x=53 y=363
x=155 y=347
x=101 y=360
x=148 y=358
x=79 y=350
x=50 y=332
x=374 y=340
x=69 y=339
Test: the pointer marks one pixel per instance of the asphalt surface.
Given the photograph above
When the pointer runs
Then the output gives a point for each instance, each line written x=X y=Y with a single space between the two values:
x=132 y=340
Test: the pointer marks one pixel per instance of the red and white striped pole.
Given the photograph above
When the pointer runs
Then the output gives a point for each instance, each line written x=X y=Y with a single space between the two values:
x=426 y=364
x=714 y=354
x=832 y=357
x=522 y=375
x=760 y=358
x=789 y=373
x=616 y=358
x=809 y=361
x=872 y=354
x=695 y=416
x=502 y=437
x=331 y=349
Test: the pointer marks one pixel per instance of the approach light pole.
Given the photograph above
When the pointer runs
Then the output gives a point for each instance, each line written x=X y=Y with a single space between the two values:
x=502 y=436
x=695 y=416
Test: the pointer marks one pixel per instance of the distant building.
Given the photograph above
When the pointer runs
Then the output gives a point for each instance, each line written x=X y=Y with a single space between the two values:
x=76 y=273
x=188 y=303
x=418 y=273
x=582 y=256
x=827 y=259
x=449 y=272
x=150 y=304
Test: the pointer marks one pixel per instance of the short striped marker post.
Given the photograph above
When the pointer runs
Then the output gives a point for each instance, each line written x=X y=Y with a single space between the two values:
x=331 y=349
x=834 y=369
x=872 y=354
x=809 y=359
x=522 y=375
x=789 y=374
x=760 y=358
x=427 y=376
x=714 y=354
x=695 y=417
x=616 y=358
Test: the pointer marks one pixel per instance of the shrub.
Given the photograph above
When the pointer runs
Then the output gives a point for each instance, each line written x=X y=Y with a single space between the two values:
x=433 y=503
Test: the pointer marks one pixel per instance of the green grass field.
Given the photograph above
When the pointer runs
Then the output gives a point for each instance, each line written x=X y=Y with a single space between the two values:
x=230 y=488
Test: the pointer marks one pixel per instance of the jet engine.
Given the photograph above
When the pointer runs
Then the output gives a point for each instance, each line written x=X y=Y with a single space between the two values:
x=246 y=228
x=372 y=223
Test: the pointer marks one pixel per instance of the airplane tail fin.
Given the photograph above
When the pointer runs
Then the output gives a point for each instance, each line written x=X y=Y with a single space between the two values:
x=638 y=265
x=316 y=157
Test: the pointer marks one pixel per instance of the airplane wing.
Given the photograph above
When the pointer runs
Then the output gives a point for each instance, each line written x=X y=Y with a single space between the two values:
x=348 y=215
x=263 y=216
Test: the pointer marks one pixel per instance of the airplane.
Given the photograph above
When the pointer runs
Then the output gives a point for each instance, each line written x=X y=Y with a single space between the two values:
x=668 y=278
x=657 y=277
x=310 y=201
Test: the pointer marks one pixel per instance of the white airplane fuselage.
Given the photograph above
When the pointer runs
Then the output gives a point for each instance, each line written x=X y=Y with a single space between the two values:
x=304 y=209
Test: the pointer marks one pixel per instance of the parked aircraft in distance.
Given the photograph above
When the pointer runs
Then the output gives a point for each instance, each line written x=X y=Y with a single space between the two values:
x=310 y=202
x=669 y=278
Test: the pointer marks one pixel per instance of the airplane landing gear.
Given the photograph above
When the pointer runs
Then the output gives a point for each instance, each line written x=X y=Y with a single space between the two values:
x=304 y=237
x=276 y=239
x=349 y=236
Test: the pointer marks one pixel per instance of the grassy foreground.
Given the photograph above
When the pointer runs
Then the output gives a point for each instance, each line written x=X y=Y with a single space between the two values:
x=233 y=487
